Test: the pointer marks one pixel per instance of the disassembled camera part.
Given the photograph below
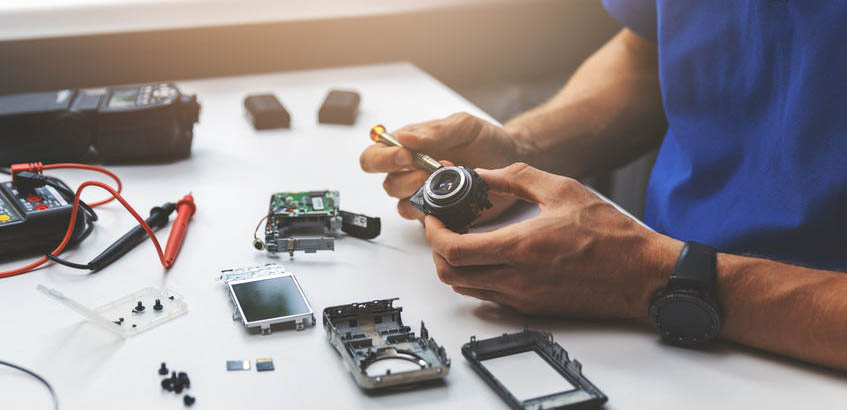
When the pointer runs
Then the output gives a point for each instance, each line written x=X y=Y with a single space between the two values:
x=128 y=316
x=236 y=365
x=370 y=335
x=575 y=391
x=264 y=365
x=455 y=195
x=266 y=112
x=339 y=107
x=425 y=162
x=314 y=213
x=267 y=295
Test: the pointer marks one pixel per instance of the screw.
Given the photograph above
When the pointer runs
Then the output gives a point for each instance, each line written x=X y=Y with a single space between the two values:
x=163 y=370
x=183 y=378
x=167 y=385
x=158 y=305
x=139 y=307
x=188 y=400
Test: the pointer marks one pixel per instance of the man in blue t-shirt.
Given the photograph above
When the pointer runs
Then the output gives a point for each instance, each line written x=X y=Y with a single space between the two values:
x=748 y=102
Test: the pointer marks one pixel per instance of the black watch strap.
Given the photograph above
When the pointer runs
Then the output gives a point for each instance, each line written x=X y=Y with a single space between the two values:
x=695 y=269
x=686 y=312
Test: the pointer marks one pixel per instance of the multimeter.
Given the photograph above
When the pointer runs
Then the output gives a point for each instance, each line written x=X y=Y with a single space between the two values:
x=35 y=222
x=140 y=123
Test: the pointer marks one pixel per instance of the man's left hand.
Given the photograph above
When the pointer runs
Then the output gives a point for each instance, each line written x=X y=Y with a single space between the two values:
x=579 y=257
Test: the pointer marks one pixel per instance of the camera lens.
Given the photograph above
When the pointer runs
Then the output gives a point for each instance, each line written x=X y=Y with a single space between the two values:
x=445 y=182
x=456 y=195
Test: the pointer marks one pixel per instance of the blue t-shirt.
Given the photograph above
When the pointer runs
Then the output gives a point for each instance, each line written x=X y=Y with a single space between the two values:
x=755 y=157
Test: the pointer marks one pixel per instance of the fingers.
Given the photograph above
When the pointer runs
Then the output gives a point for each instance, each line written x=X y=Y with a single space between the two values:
x=439 y=136
x=404 y=184
x=382 y=158
x=484 y=294
x=488 y=248
x=406 y=210
x=490 y=277
x=525 y=182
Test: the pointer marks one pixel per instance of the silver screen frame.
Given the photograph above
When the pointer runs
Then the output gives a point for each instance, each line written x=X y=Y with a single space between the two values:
x=266 y=323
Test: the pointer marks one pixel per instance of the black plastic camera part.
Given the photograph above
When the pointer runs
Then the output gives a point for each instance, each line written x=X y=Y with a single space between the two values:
x=266 y=112
x=360 y=226
x=584 y=395
x=455 y=195
x=340 y=107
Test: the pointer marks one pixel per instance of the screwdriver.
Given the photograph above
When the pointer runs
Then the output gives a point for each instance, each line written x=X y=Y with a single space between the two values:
x=425 y=162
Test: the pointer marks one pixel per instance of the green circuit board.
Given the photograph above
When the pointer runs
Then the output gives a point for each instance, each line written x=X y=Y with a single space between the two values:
x=300 y=204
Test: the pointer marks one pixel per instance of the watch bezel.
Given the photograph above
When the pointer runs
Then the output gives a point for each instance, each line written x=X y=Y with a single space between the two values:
x=666 y=299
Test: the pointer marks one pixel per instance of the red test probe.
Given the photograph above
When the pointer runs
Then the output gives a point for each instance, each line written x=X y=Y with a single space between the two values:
x=184 y=210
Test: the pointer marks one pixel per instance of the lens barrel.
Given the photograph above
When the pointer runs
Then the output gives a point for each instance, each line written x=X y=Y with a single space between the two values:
x=455 y=195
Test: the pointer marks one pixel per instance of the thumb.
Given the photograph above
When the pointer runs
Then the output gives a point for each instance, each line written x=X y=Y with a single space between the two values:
x=521 y=181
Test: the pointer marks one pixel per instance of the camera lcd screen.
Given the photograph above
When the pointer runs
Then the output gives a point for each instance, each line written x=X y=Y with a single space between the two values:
x=270 y=298
x=123 y=98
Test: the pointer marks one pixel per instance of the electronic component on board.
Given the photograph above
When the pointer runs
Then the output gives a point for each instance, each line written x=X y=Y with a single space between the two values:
x=368 y=335
x=267 y=295
x=309 y=221
x=339 y=107
x=570 y=390
x=266 y=112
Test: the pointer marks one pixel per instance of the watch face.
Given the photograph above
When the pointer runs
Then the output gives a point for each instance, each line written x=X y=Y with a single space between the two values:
x=685 y=318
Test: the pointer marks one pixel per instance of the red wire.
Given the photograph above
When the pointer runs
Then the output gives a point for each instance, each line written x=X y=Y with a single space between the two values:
x=90 y=168
x=69 y=232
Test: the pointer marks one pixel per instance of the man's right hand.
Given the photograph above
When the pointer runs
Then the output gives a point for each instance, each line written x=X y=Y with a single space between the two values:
x=460 y=139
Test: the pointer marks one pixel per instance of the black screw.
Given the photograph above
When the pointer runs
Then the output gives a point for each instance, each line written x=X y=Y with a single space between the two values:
x=178 y=388
x=171 y=297
x=158 y=305
x=188 y=400
x=163 y=370
x=167 y=385
x=183 y=378
x=139 y=307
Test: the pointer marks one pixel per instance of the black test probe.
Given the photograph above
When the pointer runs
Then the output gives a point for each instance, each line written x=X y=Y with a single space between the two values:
x=158 y=218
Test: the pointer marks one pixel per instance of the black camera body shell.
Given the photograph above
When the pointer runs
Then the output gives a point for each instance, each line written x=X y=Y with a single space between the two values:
x=463 y=204
x=142 y=123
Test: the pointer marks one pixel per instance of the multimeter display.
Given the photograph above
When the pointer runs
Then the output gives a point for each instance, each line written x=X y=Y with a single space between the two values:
x=123 y=98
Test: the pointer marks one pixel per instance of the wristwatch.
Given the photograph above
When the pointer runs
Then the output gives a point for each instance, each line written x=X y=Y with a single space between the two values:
x=686 y=312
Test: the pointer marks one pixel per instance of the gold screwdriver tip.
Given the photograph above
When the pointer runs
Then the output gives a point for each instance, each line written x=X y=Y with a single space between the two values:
x=376 y=132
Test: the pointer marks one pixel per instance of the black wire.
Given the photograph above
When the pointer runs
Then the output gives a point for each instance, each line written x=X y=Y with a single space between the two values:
x=67 y=263
x=41 y=379
x=69 y=195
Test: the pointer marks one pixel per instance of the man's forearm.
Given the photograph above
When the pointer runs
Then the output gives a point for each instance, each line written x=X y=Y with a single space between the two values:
x=608 y=113
x=786 y=309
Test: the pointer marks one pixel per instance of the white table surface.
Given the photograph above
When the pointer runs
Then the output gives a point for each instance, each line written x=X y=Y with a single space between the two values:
x=232 y=172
